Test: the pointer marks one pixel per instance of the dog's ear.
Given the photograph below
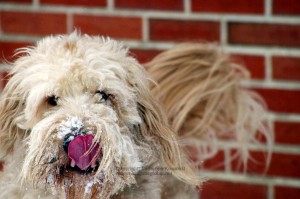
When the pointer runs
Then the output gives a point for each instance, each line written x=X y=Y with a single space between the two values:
x=155 y=125
x=11 y=108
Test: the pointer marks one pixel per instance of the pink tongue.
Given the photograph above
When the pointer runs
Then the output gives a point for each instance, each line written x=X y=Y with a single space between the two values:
x=77 y=151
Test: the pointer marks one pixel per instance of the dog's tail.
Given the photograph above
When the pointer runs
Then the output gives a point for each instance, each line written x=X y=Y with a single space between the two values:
x=200 y=88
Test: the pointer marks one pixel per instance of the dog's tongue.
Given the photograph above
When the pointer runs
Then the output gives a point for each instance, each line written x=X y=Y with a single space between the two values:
x=78 y=151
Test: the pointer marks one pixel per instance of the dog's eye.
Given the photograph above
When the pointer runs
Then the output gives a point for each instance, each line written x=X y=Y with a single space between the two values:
x=52 y=100
x=103 y=95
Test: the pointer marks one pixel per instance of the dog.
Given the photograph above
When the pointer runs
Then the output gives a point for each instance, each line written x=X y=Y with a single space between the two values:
x=81 y=118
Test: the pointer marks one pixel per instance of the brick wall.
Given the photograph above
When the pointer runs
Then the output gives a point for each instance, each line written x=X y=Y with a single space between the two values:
x=263 y=34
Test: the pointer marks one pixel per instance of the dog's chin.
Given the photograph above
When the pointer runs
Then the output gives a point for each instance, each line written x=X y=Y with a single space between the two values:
x=64 y=170
x=71 y=182
x=68 y=181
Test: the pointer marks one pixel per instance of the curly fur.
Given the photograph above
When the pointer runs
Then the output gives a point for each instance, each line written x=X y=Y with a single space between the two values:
x=205 y=101
x=198 y=87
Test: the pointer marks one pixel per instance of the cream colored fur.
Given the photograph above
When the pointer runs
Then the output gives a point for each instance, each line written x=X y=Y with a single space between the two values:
x=200 y=89
x=142 y=155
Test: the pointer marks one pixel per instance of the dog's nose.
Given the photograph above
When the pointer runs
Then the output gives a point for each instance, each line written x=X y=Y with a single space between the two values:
x=68 y=138
x=81 y=150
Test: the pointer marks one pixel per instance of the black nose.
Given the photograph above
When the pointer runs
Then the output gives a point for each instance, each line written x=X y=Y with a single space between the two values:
x=68 y=138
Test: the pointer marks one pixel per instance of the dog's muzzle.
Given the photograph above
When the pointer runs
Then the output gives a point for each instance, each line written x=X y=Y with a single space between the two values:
x=81 y=150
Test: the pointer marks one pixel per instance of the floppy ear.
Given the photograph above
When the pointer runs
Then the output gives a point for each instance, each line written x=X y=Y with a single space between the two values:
x=155 y=124
x=11 y=108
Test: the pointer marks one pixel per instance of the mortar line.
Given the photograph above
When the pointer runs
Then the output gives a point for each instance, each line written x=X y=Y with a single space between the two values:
x=224 y=32
x=187 y=6
x=227 y=160
x=250 y=179
x=145 y=29
x=70 y=22
x=36 y=4
x=268 y=67
x=268 y=8
x=154 y=14
x=110 y=5
x=270 y=191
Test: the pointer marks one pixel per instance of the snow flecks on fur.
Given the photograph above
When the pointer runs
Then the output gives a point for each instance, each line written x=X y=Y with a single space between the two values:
x=72 y=125
x=50 y=180
x=90 y=184
x=118 y=151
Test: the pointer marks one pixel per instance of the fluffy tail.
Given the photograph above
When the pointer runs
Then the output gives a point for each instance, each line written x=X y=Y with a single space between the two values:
x=200 y=88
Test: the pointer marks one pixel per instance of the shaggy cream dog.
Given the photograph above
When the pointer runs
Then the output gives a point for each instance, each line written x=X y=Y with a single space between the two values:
x=78 y=119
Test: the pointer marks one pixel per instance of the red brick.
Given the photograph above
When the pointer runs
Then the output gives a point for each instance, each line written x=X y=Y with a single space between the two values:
x=33 y=23
x=150 y=4
x=143 y=55
x=287 y=133
x=287 y=192
x=8 y=49
x=264 y=34
x=286 y=165
x=283 y=165
x=75 y=2
x=286 y=7
x=229 y=6
x=117 y=27
x=256 y=164
x=230 y=190
x=255 y=64
x=4 y=78
x=180 y=30
x=215 y=163
x=286 y=68
x=280 y=100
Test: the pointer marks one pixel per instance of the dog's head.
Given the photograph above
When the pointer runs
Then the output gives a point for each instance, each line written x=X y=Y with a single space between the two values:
x=83 y=110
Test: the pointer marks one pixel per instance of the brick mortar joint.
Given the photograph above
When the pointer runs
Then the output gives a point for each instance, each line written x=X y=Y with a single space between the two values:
x=153 y=14
x=162 y=45
x=251 y=179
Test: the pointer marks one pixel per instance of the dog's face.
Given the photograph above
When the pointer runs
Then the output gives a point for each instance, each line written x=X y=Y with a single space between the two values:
x=83 y=108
